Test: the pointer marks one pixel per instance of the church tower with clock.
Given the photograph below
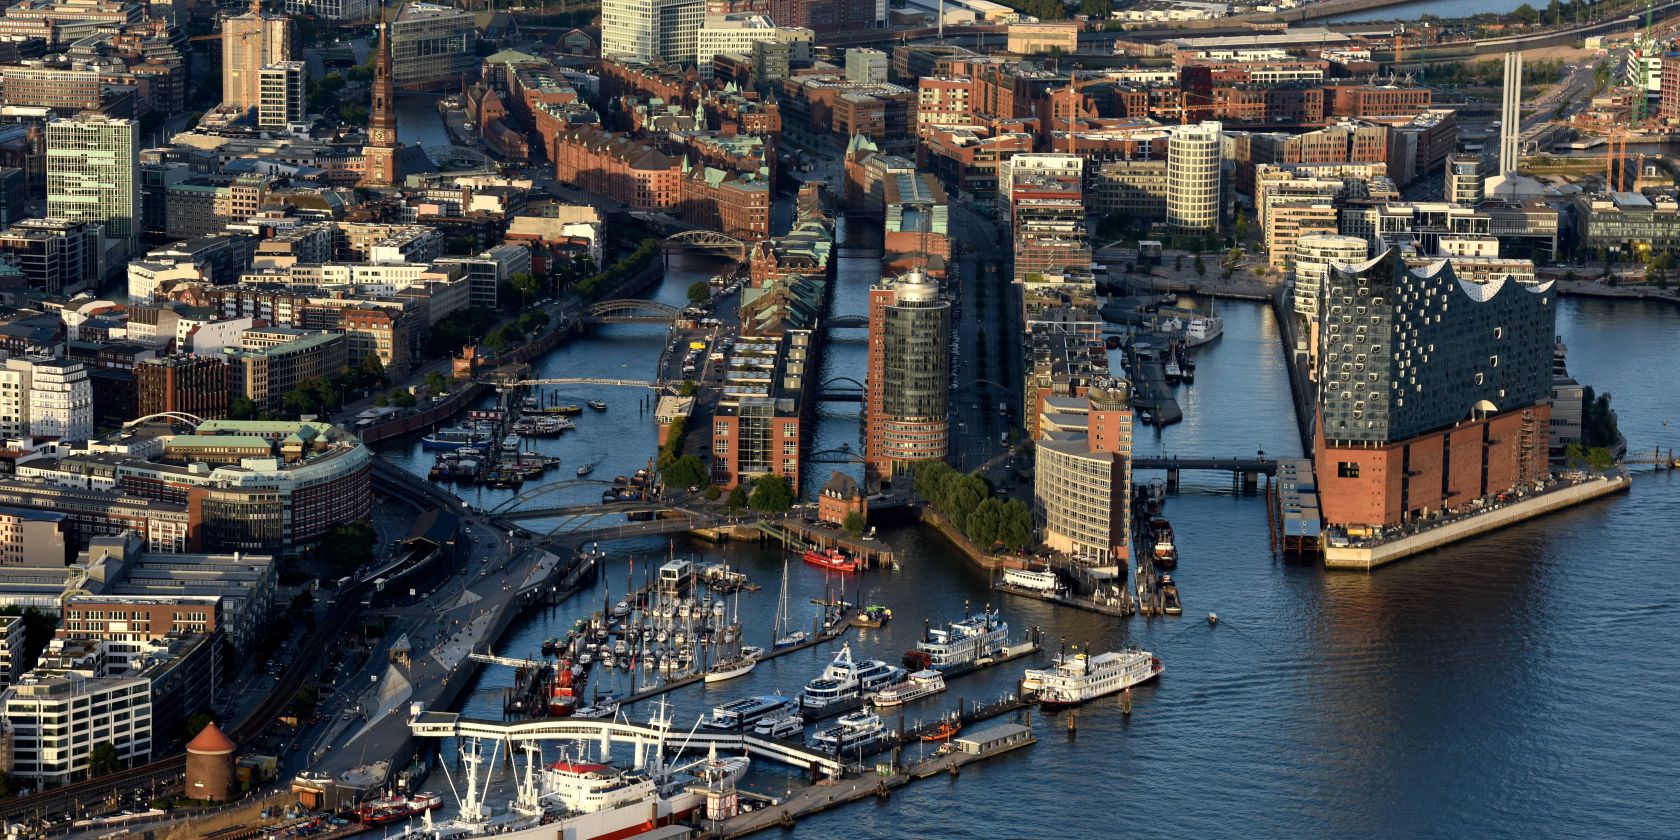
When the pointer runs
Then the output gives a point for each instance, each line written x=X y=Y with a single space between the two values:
x=380 y=153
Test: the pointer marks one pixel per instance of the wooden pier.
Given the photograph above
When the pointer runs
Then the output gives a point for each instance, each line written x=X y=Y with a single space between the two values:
x=799 y=535
x=1119 y=608
x=888 y=777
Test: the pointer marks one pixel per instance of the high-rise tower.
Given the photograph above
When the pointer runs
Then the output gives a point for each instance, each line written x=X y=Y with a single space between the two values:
x=906 y=400
x=380 y=153
x=250 y=42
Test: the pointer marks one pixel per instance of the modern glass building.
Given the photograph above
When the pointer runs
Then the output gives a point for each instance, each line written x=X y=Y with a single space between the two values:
x=907 y=397
x=432 y=47
x=93 y=164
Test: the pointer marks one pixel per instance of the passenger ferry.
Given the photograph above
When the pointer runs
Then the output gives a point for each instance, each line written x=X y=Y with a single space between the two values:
x=747 y=712
x=1038 y=580
x=453 y=437
x=918 y=685
x=845 y=679
x=598 y=405
x=962 y=642
x=854 y=731
x=1078 y=678
x=780 y=727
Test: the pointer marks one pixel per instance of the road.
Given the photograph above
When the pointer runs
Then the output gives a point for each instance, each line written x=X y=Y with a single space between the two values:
x=986 y=324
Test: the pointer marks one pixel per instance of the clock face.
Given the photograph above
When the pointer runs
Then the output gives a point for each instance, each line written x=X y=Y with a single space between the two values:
x=377 y=136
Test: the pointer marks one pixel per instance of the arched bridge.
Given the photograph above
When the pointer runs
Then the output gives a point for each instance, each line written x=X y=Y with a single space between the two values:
x=828 y=393
x=451 y=157
x=709 y=241
x=849 y=322
x=630 y=311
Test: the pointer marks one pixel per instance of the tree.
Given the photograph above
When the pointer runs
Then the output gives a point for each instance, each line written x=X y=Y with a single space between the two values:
x=713 y=492
x=737 y=498
x=437 y=383
x=688 y=388
x=1201 y=267
x=103 y=759
x=699 y=292
x=298 y=402
x=1017 y=529
x=685 y=471
x=771 y=494
x=371 y=371
x=195 y=724
x=854 y=523
x=348 y=545
x=525 y=284
x=242 y=408
x=401 y=397
x=985 y=524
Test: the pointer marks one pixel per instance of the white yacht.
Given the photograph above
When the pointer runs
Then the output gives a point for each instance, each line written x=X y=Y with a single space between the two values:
x=845 y=679
x=921 y=684
x=855 y=731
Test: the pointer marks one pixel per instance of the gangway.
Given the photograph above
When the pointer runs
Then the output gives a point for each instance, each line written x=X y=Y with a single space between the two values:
x=431 y=724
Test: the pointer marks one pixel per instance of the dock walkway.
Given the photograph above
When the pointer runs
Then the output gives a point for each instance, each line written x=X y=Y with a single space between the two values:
x=823 y=797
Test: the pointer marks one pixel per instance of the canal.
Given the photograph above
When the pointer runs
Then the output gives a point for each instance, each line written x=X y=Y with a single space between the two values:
x=1514 y=685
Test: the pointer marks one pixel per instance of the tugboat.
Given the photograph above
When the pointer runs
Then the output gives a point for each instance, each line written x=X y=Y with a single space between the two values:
x=1166 y=553
x=946 y=728
x=833 y=560
x=586 y=469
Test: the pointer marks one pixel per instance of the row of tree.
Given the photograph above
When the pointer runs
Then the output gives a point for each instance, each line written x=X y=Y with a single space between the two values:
x=605 y=280
x=966 y=501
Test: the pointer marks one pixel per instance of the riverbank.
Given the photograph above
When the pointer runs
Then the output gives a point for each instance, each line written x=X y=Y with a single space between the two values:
x=1596 y=289
x=1370 y=557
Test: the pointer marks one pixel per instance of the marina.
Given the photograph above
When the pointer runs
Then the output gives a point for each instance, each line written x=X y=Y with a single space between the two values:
x=1222 y=585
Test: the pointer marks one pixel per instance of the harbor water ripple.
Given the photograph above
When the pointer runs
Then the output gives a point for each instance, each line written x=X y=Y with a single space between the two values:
x=1516 y=685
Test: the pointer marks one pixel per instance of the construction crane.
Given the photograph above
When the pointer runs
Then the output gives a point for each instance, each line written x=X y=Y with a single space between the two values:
x=1072 y=92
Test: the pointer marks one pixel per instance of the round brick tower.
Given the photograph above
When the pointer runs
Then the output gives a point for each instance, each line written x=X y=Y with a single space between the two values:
x=210 y=775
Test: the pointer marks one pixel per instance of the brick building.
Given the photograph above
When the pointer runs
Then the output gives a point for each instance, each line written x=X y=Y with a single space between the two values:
x=1433 y=390
x=195 y=385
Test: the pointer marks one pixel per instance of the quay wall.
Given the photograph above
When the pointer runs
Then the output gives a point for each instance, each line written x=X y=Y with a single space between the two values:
x=1369 y=557
x=929 y=516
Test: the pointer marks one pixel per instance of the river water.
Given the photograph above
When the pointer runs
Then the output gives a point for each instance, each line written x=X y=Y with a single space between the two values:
x=1446 y=9
x=1516 y=685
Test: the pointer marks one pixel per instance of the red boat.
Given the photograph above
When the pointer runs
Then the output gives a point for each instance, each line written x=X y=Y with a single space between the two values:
x=832 y=559
x=564 y=697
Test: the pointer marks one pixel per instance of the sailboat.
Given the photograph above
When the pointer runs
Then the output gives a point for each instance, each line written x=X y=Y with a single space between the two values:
x=744 y=659
x=784 y=638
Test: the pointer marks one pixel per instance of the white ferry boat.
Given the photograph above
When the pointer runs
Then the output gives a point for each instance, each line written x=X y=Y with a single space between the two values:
x=790 y=726
x=920 y=684
x=747 y=712
x=962 y=642
x=845 y=679
x=1078 y=678
x=1039 y=580
x=855 y=731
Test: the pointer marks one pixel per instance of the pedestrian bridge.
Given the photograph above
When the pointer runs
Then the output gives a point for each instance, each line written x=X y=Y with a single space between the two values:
x=630 y=311
x=1252 y=466
x=429 y=724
